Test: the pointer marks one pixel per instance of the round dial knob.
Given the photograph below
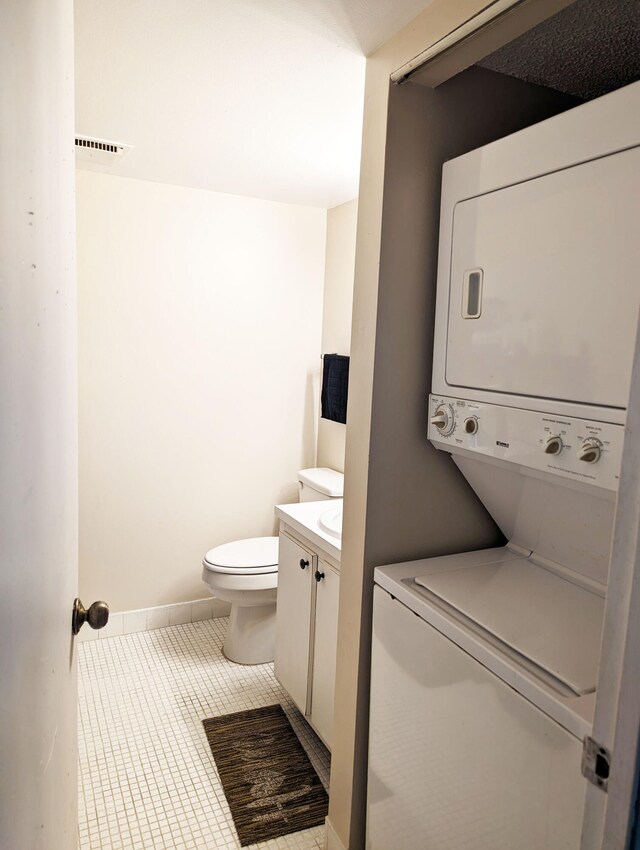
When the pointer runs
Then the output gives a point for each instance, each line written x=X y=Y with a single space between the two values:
x=589 y=451
x=471 y=425
x=553 y=445
x=443 y=419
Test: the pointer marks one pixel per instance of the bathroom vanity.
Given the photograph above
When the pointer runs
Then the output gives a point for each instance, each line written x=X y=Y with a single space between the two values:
x=307 y=608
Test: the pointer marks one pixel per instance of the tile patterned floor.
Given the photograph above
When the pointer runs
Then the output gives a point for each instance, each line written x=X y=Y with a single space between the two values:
x=147 y=777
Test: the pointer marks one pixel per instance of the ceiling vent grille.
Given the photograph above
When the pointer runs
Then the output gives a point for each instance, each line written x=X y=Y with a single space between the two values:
x=99 y=150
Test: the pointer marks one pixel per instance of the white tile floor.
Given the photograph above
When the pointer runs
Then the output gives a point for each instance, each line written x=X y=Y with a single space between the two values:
x=147 y=777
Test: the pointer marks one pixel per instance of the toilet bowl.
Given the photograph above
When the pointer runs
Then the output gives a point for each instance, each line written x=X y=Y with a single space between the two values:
x=245 y=573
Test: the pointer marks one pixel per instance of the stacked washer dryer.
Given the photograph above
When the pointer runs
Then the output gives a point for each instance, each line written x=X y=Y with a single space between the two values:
x=481 y=703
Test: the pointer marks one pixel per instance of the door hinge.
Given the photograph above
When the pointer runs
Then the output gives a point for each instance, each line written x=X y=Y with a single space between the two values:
x=596 y=763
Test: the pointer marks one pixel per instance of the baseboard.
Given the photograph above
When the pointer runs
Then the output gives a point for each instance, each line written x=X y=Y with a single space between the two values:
x=146 y=619
x=332 y=842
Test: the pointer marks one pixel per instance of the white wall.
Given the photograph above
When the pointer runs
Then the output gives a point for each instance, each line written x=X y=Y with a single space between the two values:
x=200 y=326
x=336 y=316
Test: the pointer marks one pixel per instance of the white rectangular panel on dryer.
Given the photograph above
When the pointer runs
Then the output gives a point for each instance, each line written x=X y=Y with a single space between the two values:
x=544 y=289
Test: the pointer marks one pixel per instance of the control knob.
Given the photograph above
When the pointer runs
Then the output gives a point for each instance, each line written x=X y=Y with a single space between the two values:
x=443 y=419
x=554 y=445
x=589 y=451
x=471 y=425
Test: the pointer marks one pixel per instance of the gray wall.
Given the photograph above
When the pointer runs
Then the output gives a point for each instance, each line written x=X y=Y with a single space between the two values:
x=418 y=504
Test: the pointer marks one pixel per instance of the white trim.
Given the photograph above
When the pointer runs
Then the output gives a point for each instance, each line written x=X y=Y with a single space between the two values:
x=159 y=617
x=486 y=16
x=609 y=817
x=332 y=842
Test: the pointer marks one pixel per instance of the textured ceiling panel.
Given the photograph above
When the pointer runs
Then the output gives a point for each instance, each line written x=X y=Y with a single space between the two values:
x=590 y=48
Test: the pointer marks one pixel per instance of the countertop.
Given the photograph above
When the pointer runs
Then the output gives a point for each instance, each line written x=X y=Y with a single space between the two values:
x=303 y=518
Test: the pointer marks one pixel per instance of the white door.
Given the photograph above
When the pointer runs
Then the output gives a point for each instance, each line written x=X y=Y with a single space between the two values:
x=38 y=441
x=325 y=645
x=293 y=620
x=610 y=814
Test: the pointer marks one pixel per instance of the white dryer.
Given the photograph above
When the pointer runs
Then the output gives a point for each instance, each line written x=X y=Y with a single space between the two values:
x=485 y=664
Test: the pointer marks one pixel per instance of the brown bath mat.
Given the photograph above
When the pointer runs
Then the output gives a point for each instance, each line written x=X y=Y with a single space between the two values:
x=267 y=778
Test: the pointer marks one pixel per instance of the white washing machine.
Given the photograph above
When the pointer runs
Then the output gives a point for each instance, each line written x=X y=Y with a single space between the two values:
x=474 y=743
x=485 y=664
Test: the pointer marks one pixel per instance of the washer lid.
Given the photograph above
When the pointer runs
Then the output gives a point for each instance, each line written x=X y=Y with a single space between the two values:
x=254 y=553
x=551 y=622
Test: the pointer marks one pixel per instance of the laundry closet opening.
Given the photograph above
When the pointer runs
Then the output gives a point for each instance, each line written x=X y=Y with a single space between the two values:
x=588 y=49
x=591 y=49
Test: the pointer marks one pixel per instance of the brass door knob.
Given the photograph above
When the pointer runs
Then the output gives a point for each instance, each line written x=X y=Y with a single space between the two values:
x=97 y=615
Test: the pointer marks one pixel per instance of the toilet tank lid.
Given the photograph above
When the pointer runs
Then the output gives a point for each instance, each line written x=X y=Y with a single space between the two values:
x=325 y=480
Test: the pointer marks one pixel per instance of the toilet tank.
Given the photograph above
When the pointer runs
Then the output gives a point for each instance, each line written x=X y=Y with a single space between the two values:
x=320 y=483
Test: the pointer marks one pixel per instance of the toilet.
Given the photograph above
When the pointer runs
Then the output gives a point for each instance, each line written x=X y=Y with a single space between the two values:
x=245 y=573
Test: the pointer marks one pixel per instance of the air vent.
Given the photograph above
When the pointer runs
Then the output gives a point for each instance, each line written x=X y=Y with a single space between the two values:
x=99 y=151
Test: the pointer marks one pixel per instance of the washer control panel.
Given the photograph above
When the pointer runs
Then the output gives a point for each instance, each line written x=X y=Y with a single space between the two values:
x=579 y=449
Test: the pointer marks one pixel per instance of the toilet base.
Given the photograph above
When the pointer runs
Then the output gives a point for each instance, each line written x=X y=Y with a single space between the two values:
x=251 y=634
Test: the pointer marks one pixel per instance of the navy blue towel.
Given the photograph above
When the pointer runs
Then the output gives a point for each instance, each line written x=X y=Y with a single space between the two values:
x=335 y=387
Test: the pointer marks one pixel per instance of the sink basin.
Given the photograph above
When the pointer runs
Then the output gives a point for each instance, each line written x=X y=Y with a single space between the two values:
x=331 y=521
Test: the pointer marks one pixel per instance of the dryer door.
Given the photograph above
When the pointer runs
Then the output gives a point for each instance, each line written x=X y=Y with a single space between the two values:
x=545 y=285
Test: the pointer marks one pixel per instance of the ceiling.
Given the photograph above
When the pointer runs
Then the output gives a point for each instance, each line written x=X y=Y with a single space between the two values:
x=590 y=48
x=252 y=97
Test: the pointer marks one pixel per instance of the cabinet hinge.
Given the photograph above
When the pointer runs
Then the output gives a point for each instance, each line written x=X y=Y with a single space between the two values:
x=596 y=763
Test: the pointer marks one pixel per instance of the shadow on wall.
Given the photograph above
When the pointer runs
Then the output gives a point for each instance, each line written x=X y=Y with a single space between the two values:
x=311 y=416
x=289 y=490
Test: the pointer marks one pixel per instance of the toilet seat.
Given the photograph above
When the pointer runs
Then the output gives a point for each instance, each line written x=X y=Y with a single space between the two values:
x=253 y=556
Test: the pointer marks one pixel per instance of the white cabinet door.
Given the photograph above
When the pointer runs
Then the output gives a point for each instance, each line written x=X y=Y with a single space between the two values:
x=294 y=620
x=324 y=651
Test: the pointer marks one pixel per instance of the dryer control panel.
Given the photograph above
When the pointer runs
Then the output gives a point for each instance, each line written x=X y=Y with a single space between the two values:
x=586 y=451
